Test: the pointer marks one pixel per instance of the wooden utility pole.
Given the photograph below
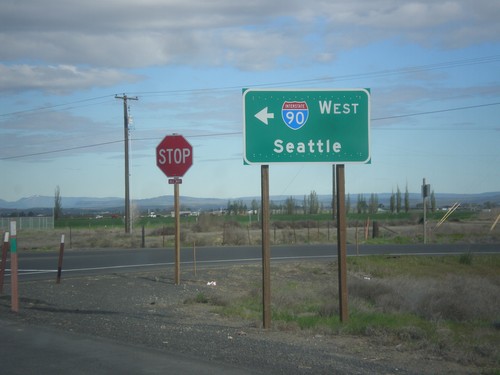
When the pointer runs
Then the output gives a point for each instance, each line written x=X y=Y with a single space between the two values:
x=127 y=173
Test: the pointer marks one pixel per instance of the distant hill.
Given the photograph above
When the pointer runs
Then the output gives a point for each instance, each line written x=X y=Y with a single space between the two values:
x=109 y=203
x=195 y=204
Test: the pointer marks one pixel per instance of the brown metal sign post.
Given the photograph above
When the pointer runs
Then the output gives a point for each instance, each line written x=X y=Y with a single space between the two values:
x=177 y=236
x=342 y=243
x=266 y=252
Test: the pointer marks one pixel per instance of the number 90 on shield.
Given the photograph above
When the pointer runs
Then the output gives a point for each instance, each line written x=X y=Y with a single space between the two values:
x=294 y=114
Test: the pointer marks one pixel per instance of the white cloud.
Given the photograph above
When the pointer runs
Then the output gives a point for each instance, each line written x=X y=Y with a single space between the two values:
x=61 y=45
x=426 y=22
x=58 y=79
x=134 y=34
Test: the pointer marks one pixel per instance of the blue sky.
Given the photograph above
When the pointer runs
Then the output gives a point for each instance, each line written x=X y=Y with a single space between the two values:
x=432 y=68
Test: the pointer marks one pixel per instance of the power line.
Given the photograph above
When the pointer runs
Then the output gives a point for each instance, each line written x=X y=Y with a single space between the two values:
x=60 y=150
x=346 y=77
x=436 y=111
x=240 y=132
x=312 y=81
x=55 y=106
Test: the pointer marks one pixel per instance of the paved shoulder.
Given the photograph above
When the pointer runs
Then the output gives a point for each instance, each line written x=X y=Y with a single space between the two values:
x=26 y=349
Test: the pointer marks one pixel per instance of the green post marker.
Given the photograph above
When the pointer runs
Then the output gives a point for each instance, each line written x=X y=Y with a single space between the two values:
x=13 y=239
x=13 y=267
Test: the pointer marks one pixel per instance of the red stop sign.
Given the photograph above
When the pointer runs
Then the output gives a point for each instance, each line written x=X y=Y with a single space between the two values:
x=174 y=155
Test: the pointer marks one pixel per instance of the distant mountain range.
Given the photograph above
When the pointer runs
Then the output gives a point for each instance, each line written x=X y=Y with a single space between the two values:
x=166 y=202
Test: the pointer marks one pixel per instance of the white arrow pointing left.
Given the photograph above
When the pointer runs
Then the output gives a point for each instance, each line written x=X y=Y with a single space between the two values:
x=264 y=116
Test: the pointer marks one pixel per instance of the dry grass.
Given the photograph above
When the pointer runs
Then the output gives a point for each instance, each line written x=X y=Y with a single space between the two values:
x=453 y=298
x=216 y=231
x=442 y=308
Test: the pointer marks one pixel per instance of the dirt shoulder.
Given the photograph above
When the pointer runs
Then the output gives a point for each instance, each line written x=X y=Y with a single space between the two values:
x=148 y=310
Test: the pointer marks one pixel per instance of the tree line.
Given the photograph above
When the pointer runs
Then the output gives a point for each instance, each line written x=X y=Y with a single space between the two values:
x=310 y=204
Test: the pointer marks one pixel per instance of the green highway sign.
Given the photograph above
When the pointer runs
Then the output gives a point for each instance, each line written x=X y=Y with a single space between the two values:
x=314 y=125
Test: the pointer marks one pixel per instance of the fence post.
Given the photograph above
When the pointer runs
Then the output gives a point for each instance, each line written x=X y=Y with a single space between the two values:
x=59 y=265
x=194 y=257
x=375 y=231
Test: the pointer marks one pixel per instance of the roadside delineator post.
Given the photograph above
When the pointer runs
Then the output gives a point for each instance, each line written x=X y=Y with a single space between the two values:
x=59 y=265
x=5 y=248
x=143 y=237
x=13 y=268
x=194 y=257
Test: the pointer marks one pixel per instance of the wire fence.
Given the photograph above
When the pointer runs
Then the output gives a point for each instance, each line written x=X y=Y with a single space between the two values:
x=28 y=223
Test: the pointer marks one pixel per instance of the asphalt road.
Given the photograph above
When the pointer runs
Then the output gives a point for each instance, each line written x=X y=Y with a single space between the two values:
x=35 y=265
x=26 y=349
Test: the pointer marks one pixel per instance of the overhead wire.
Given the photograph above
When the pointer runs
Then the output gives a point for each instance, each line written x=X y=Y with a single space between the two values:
x=55 y=106
x=375 y=74
x=381 y=73
x=435 y=111
x=239 y=132
x=61 y=150
x=312 y=81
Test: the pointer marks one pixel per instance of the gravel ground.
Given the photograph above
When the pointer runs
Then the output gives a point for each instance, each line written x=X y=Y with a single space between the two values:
x=148 y=310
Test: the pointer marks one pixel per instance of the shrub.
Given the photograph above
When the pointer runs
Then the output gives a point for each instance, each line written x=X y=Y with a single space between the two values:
x=163 y=231
x=328 y=310
x=234 y=234
x=455 y=298
x=206 y=223
x=201 y=298
x=373 y=291
x=465 y=259
x=281 y=224
x=460 y=299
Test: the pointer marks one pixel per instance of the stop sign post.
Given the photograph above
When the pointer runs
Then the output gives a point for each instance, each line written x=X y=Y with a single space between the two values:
x=174 y=156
